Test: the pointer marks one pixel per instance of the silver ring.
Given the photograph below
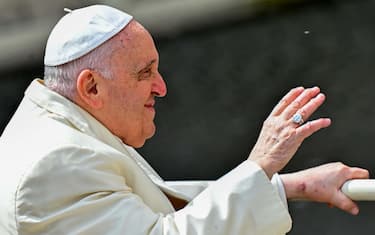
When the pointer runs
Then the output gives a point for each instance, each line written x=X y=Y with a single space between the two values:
x=297 y=119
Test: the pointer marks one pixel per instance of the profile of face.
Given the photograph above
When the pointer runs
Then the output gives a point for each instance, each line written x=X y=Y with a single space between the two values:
x=127 y=100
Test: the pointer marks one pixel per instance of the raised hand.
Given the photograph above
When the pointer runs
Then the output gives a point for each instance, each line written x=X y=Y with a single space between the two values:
x=282 y=133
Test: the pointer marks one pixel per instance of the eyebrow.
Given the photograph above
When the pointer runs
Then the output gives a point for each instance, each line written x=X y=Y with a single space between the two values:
x=148 y=65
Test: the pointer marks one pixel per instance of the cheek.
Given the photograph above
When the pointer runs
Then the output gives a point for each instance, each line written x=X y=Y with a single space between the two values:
x=133 y=110
x=129 y=106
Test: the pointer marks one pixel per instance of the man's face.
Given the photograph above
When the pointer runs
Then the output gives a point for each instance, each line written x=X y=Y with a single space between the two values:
x=129 y=97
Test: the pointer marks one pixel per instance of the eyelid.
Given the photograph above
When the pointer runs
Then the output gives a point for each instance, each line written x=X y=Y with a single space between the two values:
x=148 y=71
x=144 y=69
x=145 y=73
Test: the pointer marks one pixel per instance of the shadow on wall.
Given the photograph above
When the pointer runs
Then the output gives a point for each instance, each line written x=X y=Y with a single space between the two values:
x=224 y=81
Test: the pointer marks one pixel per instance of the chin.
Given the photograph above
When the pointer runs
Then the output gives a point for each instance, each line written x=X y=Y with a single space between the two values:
x=141 y=141
x=146 y=137
x=138 y=145
x=135 y=144
x=150 y=131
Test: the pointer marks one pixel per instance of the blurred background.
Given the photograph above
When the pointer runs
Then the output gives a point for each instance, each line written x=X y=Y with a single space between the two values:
x=226 y=64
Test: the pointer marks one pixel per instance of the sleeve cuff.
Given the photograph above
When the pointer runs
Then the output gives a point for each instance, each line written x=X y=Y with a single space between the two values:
x=278 y=184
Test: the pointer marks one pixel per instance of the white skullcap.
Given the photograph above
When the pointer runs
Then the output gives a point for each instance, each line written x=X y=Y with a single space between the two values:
x=82 y=30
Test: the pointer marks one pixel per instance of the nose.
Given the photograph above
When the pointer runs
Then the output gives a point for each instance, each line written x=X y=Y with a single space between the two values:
x=159 y=88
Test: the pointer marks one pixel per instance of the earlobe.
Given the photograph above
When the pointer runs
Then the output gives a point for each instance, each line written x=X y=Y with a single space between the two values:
x=87 y=89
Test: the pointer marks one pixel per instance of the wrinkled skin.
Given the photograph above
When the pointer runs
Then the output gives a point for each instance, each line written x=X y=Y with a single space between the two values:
x=279 y=140
x=323 y=184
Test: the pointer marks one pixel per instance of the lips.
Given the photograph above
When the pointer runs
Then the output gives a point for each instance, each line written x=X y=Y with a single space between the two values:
x=150 y=104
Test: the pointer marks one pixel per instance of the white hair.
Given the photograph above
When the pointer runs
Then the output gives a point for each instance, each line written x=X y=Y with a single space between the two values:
x=62 y=78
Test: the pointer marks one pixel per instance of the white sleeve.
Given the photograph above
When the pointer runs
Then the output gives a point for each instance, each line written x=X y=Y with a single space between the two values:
x=88 y=195
x=242 y=202
x=278 y=184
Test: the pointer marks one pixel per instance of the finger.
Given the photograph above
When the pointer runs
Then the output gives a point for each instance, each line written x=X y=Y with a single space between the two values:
x=286 y=100
x=300 y=101
x=308 y=109
x=358 y=173
x=344 y=203
x=311 y=127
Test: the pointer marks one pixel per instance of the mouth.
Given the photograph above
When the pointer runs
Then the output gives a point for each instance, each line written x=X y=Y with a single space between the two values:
x=150 y=105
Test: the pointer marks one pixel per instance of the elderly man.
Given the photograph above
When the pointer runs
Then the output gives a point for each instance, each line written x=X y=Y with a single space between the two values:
x=71 y=167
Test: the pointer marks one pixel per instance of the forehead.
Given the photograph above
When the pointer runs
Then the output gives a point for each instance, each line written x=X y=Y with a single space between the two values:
x=136 y=45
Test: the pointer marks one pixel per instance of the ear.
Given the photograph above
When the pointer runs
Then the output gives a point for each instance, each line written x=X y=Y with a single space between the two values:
x=87 y=89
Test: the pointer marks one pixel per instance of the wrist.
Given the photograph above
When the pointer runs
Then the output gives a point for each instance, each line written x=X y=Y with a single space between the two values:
x=267 y=166
x=295 y=188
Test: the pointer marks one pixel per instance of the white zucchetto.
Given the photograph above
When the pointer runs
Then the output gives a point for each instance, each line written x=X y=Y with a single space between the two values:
x=81 y=31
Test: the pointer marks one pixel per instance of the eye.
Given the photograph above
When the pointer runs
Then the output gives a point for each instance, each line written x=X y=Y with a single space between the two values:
x=146 y=73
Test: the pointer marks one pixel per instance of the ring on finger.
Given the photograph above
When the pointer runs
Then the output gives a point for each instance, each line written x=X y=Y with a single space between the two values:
x=297 y=119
